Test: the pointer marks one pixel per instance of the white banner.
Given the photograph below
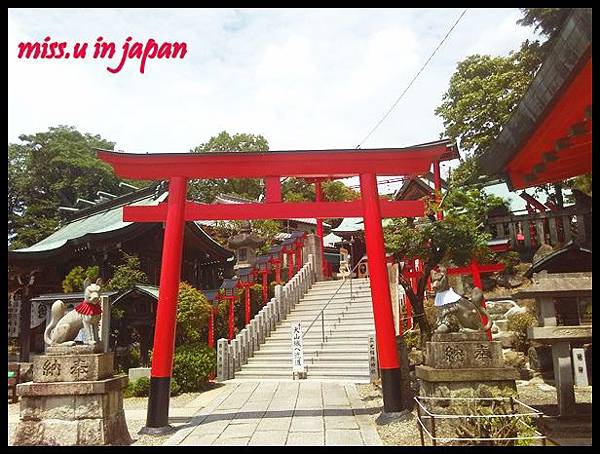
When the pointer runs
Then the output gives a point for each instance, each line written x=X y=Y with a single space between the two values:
x=297 y=352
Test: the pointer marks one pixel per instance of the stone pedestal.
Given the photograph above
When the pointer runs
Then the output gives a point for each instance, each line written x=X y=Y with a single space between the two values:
x=465 y=365
x=74 y=399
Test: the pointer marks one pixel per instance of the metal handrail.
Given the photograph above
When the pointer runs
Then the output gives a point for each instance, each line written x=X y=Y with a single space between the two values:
x=321 y=314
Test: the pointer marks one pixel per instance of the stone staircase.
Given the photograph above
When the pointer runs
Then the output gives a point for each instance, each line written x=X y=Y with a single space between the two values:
x=344 y=354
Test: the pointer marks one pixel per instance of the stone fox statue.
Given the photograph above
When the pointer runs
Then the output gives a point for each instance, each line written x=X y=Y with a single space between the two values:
x=455 y=312
x=63 y=329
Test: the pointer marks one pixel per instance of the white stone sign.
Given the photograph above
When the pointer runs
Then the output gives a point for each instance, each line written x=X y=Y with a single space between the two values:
x=373 y=369
x=297 y=351
x=579 y=367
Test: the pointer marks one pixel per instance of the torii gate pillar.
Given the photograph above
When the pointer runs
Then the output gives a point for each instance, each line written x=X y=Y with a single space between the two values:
x=380 y=295
x=157 y=419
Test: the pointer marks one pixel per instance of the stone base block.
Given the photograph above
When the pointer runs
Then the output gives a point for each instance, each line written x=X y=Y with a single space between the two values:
x=83 y=349
x=430 y=374
x=72 y=413
x=483 y=388
x=58 y=432
x=72 y=367
x=464 y=354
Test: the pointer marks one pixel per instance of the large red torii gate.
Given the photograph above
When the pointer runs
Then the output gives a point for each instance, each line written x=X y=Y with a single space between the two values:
x=270 y=166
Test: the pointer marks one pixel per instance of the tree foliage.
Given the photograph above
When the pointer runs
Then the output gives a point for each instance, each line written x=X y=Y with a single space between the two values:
x=73 y=281
x=251 y=188
x=482 y=94
x=127 y=274
x=485 y=89
x=50 y=169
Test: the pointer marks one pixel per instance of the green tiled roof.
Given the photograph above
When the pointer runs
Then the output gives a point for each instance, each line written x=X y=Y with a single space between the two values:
x=108 y=220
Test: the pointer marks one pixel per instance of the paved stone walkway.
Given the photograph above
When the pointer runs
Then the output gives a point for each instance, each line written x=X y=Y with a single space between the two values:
x=305 y=413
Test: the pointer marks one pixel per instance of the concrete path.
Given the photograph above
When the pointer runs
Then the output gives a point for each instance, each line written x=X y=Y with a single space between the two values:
x=281 y=413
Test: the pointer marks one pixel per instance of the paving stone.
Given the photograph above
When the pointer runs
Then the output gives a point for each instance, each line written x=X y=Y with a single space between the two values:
x=211 y=427
x=275 y=424
x=239 y=430
x=248 y=417
x=199 y=440
x=307 y=424
x=269 y=438
x=343 y=438
x=340 y=422
x=239 y=441
x=305 y=439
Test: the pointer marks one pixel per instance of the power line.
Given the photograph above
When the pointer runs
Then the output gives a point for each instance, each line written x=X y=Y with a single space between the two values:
x=412 y=81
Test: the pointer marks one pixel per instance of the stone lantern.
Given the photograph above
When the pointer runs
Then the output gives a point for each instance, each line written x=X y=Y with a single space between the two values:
x=245 y=245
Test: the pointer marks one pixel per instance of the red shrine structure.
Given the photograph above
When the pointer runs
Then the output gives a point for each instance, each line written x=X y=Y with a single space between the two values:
x=271 y=166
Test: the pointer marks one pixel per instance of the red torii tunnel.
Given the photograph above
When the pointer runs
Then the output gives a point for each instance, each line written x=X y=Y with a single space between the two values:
x=270 y=166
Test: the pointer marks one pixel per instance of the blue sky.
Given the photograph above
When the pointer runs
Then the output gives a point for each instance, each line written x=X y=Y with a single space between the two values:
x=305 y=79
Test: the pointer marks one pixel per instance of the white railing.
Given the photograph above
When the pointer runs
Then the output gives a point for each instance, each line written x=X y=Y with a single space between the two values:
x=231 y=355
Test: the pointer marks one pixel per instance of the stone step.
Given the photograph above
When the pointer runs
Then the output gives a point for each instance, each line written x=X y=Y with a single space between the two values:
x=285 y=375
x=329 y=321
x=344 y=330
x=344 y=291
x=345 y=367
x=285 y=343
x=337 y=282
x=312 y=357
x=317 y=336
x=310 y=351
x=335 y=300
x=359 y=307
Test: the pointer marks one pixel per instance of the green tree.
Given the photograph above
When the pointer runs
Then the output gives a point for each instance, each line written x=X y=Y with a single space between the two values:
x=251 y=188
x=297 y=190
x=127 y=274
x=482 y=94
x=49 y=169
x=546 y=21
x=73 y=281
x=484 y=90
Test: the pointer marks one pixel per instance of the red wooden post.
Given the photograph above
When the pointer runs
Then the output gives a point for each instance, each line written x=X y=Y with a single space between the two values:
x=290 y=262
x=477 y=283
x=380 y=294
x=247 y=319
x=273 y=189
x=277 y=264
x=437 y=182
x=298 y=258
x=265 y=286
x=319 y=198
x=231 y=315
x=211 y=329
x=166 y=312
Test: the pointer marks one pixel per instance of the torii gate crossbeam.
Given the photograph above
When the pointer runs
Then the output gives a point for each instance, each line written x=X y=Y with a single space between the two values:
x=179 y=168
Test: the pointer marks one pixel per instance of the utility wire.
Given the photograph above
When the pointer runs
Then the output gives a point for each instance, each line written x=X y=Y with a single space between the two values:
x=412 y=81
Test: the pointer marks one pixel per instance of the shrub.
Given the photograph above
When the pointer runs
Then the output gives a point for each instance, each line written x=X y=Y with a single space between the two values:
x=175 y=388
x=192 y=315
x=73 y=282
x=137 y=388
x=192 y=366
x=518 y=324
x=510 y=260
x=127 y=274
x=412 y=340
x=127 y=357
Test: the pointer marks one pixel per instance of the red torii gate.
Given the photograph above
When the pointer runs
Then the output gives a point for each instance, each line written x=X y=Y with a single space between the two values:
x=179 y=168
